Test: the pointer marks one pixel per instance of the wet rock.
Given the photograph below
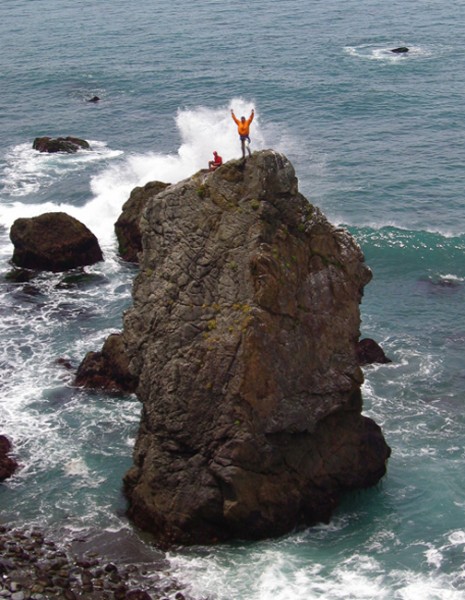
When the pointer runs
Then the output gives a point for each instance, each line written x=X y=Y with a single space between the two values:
x=8 y=464
x=61 y=573
x=400 y=50
x=107 y=369
x=369 y=352
x=138 y=595
x=67 y=144
x=127 y=226
x=53 y=242
x=20 y=275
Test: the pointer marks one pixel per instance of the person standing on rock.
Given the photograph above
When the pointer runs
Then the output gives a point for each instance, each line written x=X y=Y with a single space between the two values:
x=243 y=127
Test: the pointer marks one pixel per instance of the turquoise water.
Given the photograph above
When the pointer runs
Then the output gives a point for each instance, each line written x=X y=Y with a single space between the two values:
x=377 y=140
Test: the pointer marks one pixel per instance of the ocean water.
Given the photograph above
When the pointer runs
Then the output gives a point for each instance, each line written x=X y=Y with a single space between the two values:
x=378 y=143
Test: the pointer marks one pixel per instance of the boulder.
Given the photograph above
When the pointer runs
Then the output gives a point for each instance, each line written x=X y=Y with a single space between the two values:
x=127 y=226
x=8 y=465
x=53 y=242
x=107 y=369
x=68 y=144
x=243 y=336
x=400 y=50
x=369 y=352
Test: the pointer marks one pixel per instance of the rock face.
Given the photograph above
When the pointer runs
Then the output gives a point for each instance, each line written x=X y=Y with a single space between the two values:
x=53 y=242
x=127 y=227
x=8 y=465
x=369 y=352
x=68 y=144
x=108 y=369
x=243 y=336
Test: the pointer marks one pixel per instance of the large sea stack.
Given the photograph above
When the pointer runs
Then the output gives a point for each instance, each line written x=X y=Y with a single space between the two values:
x=243 y=337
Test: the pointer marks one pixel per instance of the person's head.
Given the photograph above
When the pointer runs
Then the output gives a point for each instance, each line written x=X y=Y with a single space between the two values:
x=242 y=119
x=215 y=153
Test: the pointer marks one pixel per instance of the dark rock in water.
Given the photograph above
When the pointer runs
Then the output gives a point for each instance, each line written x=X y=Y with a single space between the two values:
x=127 y=227
x=68 y=144
x=64 y=362
x=369 y=352
x=20 y=275
x=80 y=280
x=93 y=99
x=8 y=465
x=118 y=546
x=400 y=50
x=440 y=284
x=53 y=242
x=138 y=595
x=108 y=369
x=243 y=334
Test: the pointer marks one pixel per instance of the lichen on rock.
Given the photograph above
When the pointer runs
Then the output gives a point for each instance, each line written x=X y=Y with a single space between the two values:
x=243 y=336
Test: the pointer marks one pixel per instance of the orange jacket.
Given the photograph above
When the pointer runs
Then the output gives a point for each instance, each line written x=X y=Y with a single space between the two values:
x=243 y=127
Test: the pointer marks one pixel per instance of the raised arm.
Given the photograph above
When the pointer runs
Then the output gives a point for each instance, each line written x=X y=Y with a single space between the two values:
x=235 y=119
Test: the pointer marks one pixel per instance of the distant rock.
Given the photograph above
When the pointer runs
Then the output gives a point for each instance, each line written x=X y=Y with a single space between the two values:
x=242 y=335
x=68 y=144
x=108 y=369
x=127 y=226
x=400 y=50
x=53 y=242
x=94 y=99
x=8 y=465
x=369 y=352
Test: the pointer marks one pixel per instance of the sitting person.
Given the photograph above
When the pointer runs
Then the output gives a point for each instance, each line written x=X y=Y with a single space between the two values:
x=216 y=162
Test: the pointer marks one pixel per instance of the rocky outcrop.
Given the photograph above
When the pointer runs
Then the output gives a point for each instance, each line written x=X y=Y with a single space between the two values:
x=53 y=242
x=107 y=369
x=369 y=352
x=67 y=144
x=8 y=464
x=243 y=337
x=127 y=227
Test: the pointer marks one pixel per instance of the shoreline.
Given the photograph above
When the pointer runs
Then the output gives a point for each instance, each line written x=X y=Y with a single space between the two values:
x=98 y=565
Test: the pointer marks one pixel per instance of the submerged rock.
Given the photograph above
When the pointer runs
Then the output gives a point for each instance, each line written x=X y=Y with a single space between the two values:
x=53 y=242
x=400 y=50
x=68 y=144
x=127 y=227
x=243 y=337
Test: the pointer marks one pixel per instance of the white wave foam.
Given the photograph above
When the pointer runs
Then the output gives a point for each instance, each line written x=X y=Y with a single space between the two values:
x=202 y=130
x=76 y=467
x=384 y=52
x=457 y=538
x=262 y=573
x=27 y=171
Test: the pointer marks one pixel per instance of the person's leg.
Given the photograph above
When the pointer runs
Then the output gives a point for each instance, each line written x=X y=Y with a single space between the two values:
x=243 y=147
